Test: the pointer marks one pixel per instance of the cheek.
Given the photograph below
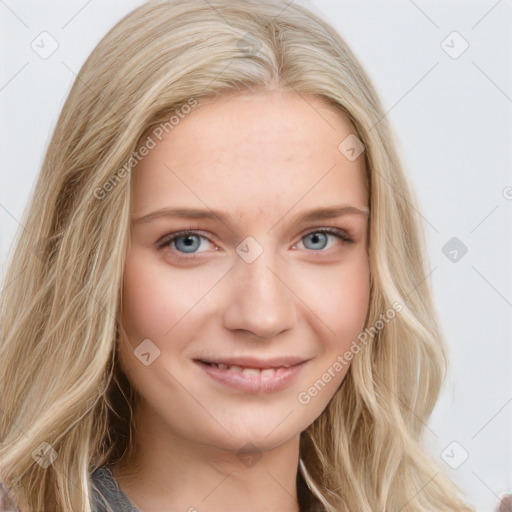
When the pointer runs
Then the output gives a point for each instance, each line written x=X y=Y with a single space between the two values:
x=340 y=311
x=350 y=299
x=143 y=301
x=155 y=299
x=341 y=298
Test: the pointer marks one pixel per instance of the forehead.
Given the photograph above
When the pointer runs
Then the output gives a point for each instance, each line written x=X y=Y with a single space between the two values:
x=252 y=152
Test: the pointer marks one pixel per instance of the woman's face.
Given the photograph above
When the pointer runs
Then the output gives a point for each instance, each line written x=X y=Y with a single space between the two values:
x=259 y=288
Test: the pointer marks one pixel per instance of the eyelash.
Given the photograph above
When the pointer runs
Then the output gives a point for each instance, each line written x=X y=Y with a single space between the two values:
x=167 y=240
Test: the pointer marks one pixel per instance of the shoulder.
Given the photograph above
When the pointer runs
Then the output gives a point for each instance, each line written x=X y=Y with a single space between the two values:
x=106 y=495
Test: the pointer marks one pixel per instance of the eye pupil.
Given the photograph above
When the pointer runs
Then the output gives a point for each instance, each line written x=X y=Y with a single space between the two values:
x=189 y=242
x=317 y=238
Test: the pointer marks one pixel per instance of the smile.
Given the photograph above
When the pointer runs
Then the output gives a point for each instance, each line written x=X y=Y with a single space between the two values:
x=252 y=380
x=264 y=372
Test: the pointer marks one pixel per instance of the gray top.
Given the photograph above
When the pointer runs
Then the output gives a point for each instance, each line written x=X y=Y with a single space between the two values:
x=107 y=496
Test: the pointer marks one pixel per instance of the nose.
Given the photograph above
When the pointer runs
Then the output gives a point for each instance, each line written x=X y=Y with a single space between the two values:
x=259 y=299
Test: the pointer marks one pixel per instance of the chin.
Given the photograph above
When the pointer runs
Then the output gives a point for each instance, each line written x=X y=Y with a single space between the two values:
x=265 y=434
x=254 y=443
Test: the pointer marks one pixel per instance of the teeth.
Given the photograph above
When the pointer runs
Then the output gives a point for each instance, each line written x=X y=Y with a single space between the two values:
x=268 y=372
x=250 y=371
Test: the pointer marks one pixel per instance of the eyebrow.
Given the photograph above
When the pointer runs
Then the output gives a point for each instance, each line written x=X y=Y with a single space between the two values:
x=323 y=213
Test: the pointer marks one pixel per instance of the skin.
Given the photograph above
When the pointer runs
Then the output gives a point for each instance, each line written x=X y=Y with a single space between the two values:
x=263 y=158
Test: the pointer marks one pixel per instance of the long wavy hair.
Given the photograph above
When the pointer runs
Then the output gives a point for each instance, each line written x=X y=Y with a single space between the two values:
x=60 y=310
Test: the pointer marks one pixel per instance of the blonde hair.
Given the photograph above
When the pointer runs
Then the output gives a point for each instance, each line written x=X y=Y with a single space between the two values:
x=60 y=308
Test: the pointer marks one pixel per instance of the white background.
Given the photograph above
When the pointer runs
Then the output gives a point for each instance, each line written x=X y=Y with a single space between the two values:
x=453 y=119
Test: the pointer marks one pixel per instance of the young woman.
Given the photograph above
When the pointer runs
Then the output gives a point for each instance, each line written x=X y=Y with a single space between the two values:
x=219 y=297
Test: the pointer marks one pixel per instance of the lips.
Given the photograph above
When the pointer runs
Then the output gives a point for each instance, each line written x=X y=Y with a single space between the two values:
x=252 y=375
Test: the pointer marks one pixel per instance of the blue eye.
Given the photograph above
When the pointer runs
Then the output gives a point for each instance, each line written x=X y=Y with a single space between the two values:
x=320 y=238
x=317 y=238
x=190 y=243
x=187 y=242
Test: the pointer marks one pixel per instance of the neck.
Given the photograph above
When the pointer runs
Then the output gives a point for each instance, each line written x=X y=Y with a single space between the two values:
x=169 y=472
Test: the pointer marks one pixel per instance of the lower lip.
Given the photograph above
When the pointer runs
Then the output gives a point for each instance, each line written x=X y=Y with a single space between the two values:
x=281 y=379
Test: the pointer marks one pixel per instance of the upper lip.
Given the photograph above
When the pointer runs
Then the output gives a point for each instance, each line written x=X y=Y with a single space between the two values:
x=254 y=362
